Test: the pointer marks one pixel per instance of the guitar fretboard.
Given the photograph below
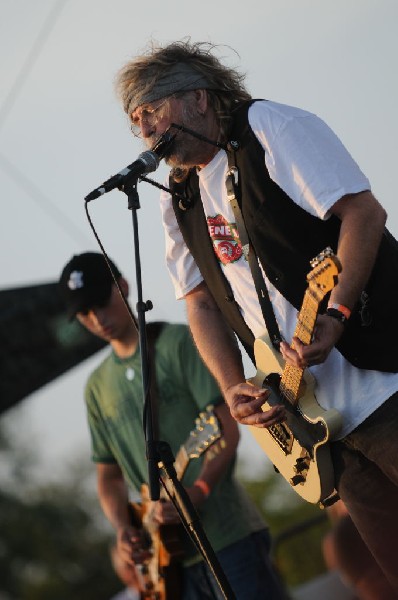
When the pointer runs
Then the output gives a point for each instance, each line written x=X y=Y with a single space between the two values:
x=291 y=378
x=181 y=462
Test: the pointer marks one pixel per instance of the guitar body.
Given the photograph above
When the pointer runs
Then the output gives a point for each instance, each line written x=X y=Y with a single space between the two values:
x=298 y=447
x=160 y=577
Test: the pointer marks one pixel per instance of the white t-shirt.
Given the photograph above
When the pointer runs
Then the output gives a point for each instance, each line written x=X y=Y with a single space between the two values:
x=307 y=160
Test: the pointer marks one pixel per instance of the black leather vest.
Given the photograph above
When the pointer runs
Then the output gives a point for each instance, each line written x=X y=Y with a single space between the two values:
x=286 y=238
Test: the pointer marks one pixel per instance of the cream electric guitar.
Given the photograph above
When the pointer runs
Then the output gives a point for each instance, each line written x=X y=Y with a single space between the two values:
x=298 y=447
x=159 y=576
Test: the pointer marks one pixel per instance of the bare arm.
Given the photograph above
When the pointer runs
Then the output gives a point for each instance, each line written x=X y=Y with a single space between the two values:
x=213 y=338
x=113 y=497
x=113 y=494
x=220 y=352
x=362 y=224
x=219 y=456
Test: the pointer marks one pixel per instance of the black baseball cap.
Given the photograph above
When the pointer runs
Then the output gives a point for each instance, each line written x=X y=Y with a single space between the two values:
x=86 y=281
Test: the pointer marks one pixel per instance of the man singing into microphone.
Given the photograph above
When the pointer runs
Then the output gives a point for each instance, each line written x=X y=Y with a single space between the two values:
x=299 y=191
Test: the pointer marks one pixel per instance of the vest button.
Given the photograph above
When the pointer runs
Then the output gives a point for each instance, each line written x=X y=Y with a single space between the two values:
x=229 y=298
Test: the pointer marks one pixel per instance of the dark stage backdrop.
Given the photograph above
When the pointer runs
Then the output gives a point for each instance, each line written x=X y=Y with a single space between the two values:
x=37 y=341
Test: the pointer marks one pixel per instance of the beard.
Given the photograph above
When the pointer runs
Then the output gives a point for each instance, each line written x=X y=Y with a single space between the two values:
x=186 y=150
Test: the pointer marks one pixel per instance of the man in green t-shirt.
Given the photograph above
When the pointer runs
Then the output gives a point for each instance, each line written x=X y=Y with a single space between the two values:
x=184 y=390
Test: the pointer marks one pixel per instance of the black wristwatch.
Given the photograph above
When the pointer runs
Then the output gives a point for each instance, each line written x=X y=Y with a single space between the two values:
x=336 y=314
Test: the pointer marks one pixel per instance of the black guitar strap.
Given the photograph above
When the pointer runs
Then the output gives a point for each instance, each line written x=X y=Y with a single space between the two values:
x=233 y=192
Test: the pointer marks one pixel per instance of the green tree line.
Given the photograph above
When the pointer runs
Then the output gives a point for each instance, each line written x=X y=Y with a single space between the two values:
x=54 y=540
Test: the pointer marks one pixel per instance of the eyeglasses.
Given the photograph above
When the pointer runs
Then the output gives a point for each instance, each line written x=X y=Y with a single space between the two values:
x=147 y=114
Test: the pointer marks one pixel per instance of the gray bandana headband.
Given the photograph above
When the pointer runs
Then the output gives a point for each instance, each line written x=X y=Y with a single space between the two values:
x=180 y=77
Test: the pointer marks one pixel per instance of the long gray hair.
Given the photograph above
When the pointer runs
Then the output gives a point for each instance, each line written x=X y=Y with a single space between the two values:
x=178 y=67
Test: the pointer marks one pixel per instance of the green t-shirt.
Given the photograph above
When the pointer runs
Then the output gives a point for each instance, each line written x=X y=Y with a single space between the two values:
x=114 y=401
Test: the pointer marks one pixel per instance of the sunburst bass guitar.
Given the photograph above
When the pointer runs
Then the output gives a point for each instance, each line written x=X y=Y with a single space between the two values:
x=299 y=447
x=159 y=577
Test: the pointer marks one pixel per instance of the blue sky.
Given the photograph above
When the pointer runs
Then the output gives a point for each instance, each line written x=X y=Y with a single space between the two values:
x=62 y=133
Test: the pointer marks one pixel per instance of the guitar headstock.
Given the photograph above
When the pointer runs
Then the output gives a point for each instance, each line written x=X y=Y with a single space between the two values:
x=323 y=277
x=207 y=431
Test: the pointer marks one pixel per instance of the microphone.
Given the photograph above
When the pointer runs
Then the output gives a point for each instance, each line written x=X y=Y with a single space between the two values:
x=147 y=162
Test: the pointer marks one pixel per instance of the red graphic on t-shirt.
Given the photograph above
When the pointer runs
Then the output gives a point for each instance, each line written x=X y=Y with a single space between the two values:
x=225 y=239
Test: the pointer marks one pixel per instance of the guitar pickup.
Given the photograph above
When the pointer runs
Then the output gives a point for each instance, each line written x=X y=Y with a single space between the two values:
x=301 y=469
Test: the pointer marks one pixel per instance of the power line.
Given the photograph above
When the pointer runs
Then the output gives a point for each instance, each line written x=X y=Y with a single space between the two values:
x=20 y=178
x=40 y=198
x=31 y=59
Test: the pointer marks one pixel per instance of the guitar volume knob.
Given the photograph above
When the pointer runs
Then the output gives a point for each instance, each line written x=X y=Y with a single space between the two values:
x=301 y=465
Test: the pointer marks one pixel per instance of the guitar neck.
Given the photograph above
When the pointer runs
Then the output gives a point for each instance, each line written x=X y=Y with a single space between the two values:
x=291 y=378
x=206 y=432
x=181 y=462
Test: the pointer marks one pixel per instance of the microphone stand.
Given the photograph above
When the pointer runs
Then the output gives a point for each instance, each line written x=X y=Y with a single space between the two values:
x=159 y=454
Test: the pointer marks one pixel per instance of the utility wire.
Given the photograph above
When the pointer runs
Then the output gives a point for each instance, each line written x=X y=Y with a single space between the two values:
x=44 y=201
x=30 y=188
x=30 y=61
